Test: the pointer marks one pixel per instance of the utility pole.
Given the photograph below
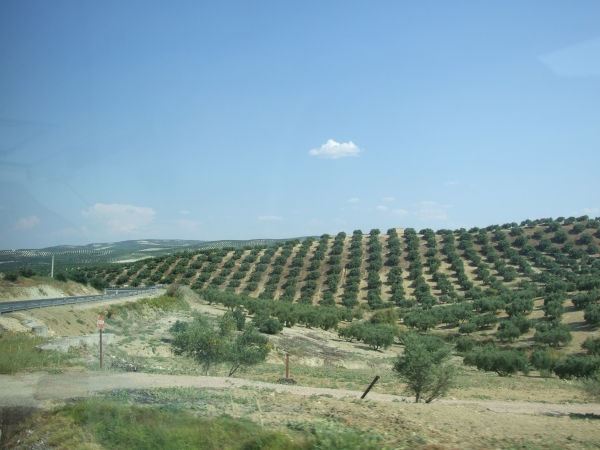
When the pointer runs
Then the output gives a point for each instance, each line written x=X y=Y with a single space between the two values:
x=52 y=268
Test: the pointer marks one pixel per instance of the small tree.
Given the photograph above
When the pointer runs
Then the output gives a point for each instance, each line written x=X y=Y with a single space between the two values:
x=592 y=314
x=542 y=361
x=202 y=342
x=378 y=335
x=248 y=349
x=508 y=332
x=592 y=345
x=423 y=367
x=389 y=316
x=553 y=334
x=503 y=362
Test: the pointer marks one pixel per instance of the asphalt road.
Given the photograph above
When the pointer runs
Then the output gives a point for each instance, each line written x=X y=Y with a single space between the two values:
x=22 y=305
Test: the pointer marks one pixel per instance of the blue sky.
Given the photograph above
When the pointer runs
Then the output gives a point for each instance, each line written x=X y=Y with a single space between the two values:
x=238 y=120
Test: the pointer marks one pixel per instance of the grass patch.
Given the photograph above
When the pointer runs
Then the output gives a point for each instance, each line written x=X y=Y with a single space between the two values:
x=326 y=376
x=18 y=352
x=164 y=302
x=108 y=424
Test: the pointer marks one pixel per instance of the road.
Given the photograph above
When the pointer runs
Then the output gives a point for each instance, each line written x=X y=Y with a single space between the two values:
x=41 y=389
x=22 y=305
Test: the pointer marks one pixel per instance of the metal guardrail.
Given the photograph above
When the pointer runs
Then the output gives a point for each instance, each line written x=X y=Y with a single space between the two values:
x=23 y=305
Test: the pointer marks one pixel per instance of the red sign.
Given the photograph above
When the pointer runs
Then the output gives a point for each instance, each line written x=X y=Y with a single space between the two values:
x=100 y=322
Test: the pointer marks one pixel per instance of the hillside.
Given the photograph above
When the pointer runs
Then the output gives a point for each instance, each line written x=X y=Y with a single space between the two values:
x=522 y=295
x=451 y=264
x=433 y=277
x=110 y=252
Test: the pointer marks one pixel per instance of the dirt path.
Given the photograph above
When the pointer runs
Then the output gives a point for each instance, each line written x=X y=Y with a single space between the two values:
x=42 y=389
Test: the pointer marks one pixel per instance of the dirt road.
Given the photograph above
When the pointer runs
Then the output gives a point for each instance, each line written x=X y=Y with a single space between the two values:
x=42 y=389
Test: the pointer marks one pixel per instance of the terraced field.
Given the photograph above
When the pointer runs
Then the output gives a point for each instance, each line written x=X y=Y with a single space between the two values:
x=511 y=280
x=401 y=266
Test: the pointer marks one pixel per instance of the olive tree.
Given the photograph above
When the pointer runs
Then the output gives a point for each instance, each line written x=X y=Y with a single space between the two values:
x=423 y=367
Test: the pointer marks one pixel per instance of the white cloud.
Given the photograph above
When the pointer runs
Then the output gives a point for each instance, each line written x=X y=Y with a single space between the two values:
x=264 y=218
x=591 y=210
x=388 y=199
x=381 y=208
x=353 y=200
x=451 y=183
x=120 y=218
x=184 y=212
x=431 y=211
x=334 y=150
x=399 y=213
x=27 y=223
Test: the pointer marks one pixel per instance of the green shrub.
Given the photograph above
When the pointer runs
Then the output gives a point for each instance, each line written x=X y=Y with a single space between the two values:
x=592 y=315
x=423 y=367
x=60 y=276
x=379 y=335
x=508 y=332
x=26 y=272
x=118 y=425
x=553 y=334
x=467 y=328
x=352 y=331
x=389 y=316
x=503 y=362
x=542 y=360
x=592 y=346
x=577 y=366
x=464 y=344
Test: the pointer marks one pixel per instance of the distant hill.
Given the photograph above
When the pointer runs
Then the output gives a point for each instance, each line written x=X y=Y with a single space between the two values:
x=111 y=252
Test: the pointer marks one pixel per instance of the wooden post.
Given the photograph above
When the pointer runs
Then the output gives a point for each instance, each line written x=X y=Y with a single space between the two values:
x=370 y=386
x=101 y=348
x=287 y=365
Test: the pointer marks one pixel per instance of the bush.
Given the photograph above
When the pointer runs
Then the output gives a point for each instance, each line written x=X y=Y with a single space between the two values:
x=60 y=276
x=508 y=332
x=553 y=334
x=592 y=346
x=503 y=362
x=389 y=316
x=211 y=342
x=352 y=331
x=592 y=315
x=11 y=276
x=379 y=335
x=422 y=320
x=467 y=328
x=577 y=366
x=520 y=307
x=26 y=272
x=266 y=324
x=464 y=344
x=542 y=361
x=522 y=323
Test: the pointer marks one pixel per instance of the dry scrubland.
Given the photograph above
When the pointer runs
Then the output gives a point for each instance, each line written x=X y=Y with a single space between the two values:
x=482 y=410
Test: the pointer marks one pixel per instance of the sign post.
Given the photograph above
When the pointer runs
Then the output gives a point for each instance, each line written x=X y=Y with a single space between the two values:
x=100 y=323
